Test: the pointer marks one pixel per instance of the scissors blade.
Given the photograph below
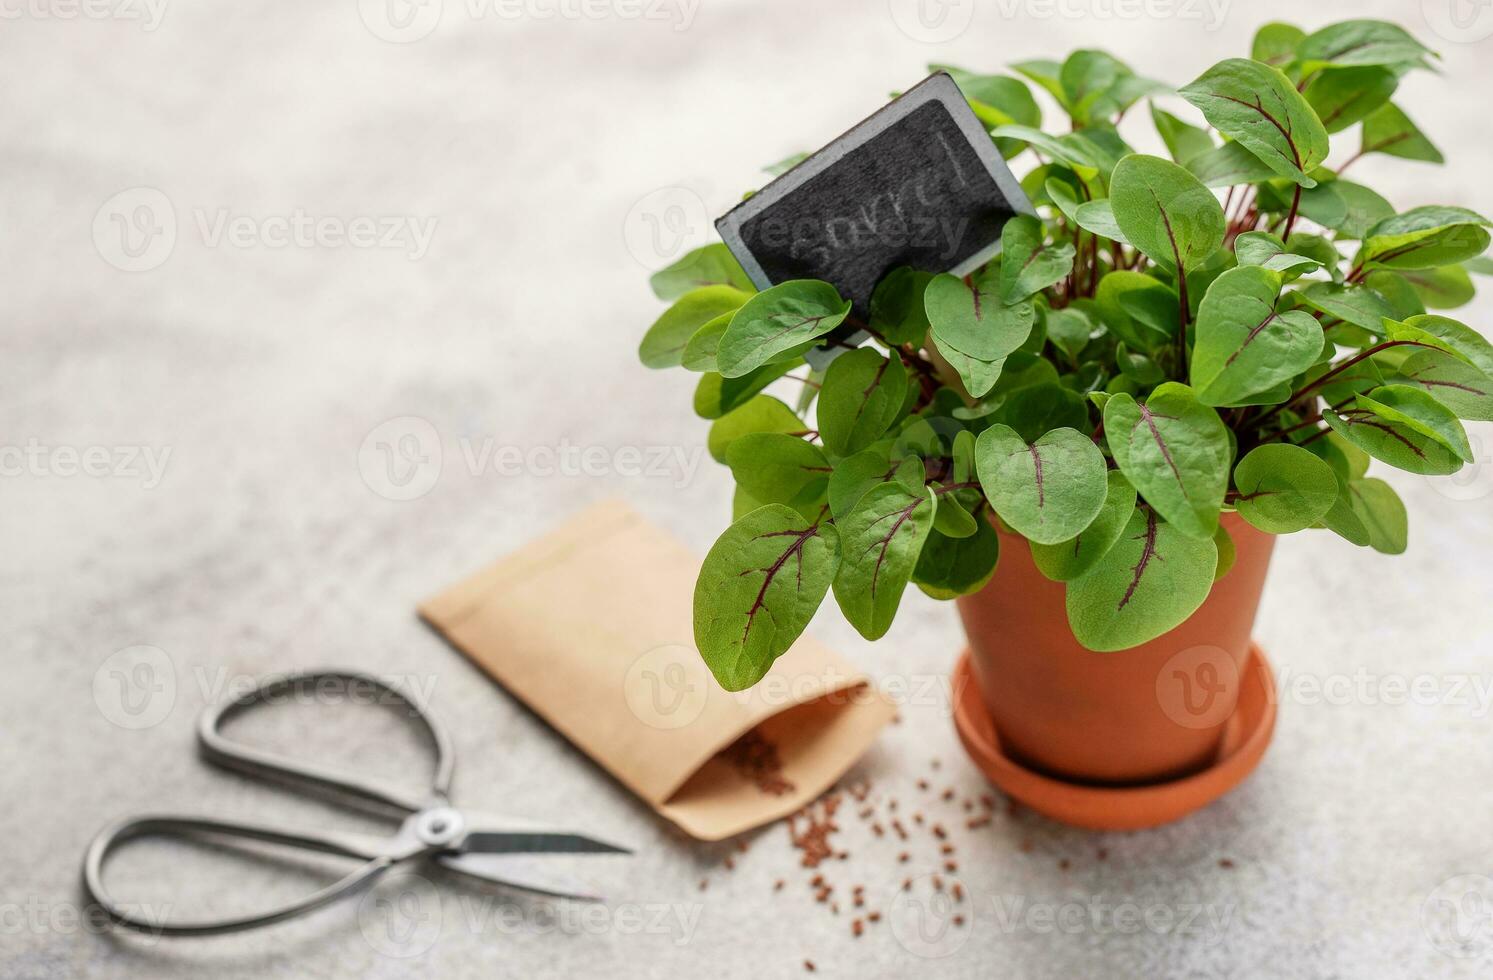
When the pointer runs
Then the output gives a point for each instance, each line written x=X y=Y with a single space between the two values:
x=523 y=873
x=490 y=834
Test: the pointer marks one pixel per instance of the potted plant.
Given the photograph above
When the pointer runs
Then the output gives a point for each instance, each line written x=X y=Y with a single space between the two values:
x=1092 y=441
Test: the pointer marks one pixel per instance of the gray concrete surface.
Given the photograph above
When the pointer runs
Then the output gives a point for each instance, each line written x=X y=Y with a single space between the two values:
x=541 y=149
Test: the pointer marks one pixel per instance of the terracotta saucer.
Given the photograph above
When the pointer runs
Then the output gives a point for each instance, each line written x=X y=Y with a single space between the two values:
x=1096 y=807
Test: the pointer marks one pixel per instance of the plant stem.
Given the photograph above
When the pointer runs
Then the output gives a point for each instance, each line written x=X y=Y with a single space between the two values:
x=1370 y=352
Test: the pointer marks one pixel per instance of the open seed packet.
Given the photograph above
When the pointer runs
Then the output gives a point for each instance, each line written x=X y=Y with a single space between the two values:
x=590 y=626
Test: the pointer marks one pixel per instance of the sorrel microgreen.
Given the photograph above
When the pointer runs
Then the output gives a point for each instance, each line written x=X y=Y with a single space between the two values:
x=1237 y=328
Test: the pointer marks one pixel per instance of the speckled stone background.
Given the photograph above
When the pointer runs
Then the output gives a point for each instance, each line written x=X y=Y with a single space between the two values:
x=554 y=161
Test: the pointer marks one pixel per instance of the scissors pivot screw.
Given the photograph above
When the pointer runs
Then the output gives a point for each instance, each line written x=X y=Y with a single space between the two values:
x=439 y=826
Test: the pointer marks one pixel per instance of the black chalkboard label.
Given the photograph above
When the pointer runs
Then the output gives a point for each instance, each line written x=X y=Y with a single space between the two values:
x=919 y=183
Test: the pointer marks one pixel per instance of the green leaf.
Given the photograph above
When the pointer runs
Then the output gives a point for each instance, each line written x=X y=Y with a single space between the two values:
x=1266 y=250
x=1113 y=299
x=1067 y=560
x=1098 y=218
x=778 y=320
x=1466 y=391
x=1175 y=451
x=1343 y=96
x=950 y=567
x=699 y=352
x=786 y=164
x=1405 y=427
x=1166 y=212
x=663 y=345
x=1047 y=491
x=897 y=311
x=709 y=265
x=952 y=520
x=1365 y=208
x=1183 y=140
x=856 y=475
x=758 y=588
x=1151 y=581
x=1034 y=409
x=1243 y=345
x=1284 y=488
x=1227 y=165
x=762 y=414
x=1275 y=43
x=881 y=539
x=716 y=395
x=996 y=101
x=1425 y=237
x=1227 y=553
x=1388 y=130
x=1076 y=155
x=1456 y=337
x=1381 y=513
x=1029 y=263
x=861 y=398
x=1260 y=108
x=1069 y=330
x=971 y=318
x=1358 y=305
x=1359 y=42
x=776 y=468
x=978 y=376
x=1444 y=288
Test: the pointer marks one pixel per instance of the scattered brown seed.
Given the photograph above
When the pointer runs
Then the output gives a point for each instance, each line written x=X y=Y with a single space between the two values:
x=856 y=926
x=958 y=892
x=922 y=784
x=1225 y=863
x=892 y=806
x=809 y=966
x=937 y=883
x=974 y=823
x=1103 y=854
x=1026 y=847
x=874 y=916
x=969 y=805
x=946 y=849
x=1065 y=864
x=703 y=884
x=904 y=857
x=987 y=801
x=906 y=884
x=917 y=818
x=958 y=920
x=878 y=830
x=939 y=832
x=843 y=855
x=948 y=795
x=730 y=863
x=950 y=866
x=936 y=763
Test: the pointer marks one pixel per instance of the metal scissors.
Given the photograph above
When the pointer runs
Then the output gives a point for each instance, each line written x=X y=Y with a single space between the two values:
x=492 y=848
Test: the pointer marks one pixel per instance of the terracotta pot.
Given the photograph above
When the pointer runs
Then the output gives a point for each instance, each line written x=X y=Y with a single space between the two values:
x=1153 y=712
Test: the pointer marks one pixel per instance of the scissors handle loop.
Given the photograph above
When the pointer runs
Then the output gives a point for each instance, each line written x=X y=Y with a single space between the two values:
x=379 y=855
x=379 y=793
